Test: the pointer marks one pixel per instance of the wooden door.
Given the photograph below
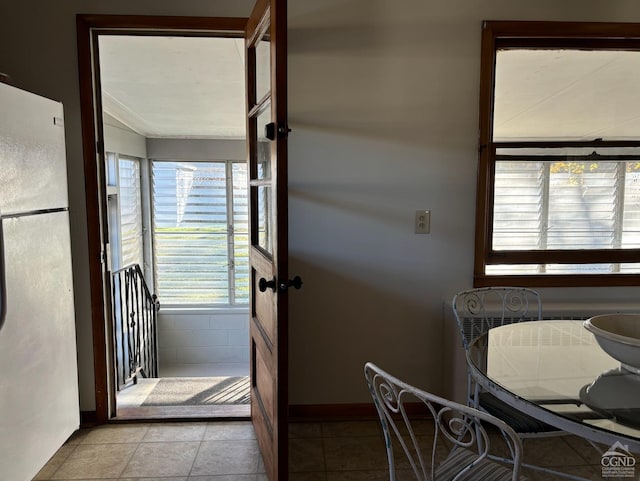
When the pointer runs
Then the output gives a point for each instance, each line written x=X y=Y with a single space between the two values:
x=267 y=153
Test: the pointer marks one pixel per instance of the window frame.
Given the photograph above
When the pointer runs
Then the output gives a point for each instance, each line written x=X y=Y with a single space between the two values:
x=497 y=35
x=121 y=238
x=114 y=209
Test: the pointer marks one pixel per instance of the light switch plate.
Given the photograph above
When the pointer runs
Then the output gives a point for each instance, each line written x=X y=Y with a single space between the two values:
x=423 y=221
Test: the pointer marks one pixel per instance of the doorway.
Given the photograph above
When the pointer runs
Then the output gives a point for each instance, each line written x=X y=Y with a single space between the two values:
x=170 y=120
x=176 y=174
x=265 y=34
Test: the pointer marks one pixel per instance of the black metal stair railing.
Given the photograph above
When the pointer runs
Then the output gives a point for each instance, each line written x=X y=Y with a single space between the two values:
x=135 y=317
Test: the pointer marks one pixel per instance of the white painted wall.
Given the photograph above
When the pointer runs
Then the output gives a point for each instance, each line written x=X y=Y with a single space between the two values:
x=196 y=337
x=197 y=149
x=383 y=103
x=383 y=100
x=119 y=138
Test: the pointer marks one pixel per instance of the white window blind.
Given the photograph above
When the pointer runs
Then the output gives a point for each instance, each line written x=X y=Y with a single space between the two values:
x=130 y=211
x=198 y=255
x=518 y=204
x=582 y=205
x=568 y=204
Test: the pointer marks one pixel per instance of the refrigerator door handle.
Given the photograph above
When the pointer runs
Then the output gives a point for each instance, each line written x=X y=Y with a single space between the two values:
x=3 y=284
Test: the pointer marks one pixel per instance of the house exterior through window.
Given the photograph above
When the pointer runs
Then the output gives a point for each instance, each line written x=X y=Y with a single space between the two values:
x=185 y=224
x=200 y=233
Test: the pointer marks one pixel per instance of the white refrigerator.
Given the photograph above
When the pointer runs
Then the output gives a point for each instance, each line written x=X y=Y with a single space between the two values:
x=39 y=406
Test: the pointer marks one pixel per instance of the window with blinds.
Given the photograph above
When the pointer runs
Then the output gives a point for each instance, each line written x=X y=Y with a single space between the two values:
x=200 y=232
x=130 y=210
x=576 y=201
x=558 y=200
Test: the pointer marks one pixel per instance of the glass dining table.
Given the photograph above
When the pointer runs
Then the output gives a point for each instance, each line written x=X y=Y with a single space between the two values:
x=556 y=372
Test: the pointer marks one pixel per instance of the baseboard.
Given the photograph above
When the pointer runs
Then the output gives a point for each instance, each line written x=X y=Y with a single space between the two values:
x=311 y=412
x=343 y=412
x=325 y=412
x=88 y=419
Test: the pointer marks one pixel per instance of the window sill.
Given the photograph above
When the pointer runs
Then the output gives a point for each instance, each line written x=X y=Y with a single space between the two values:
x=551 y=280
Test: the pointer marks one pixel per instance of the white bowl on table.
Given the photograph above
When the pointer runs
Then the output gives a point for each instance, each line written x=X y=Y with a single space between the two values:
x=619 y=336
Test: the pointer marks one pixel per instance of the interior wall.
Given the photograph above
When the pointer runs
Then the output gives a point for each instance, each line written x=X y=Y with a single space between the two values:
x=194 y=336
x=197 y=149
x=119 y=138
x=383 y=105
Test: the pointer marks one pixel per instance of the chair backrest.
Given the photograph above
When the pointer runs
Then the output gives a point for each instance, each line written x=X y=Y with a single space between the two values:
x=478 y=310
x=452 y=442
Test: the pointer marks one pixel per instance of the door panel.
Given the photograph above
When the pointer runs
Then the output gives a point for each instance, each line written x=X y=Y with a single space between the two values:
x=263 y=312
x=264 y=382
x=264 y=316
x=267 y=155
x=263 y=66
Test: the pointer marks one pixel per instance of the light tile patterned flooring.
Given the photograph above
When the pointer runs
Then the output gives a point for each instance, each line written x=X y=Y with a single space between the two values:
x=227 y=451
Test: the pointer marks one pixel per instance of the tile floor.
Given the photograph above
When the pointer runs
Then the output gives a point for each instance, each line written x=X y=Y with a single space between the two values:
x=201 y=451
x=227 y=451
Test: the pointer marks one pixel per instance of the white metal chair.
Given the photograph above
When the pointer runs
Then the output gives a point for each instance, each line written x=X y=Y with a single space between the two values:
x=459 y=441
x=477 y=311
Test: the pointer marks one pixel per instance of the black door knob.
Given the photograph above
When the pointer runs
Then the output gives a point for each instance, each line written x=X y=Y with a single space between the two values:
x=264 y=284
x=296 y=283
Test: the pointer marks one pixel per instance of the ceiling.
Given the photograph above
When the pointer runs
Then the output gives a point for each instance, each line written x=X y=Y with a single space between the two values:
x=193 y=87
x=177 y=87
